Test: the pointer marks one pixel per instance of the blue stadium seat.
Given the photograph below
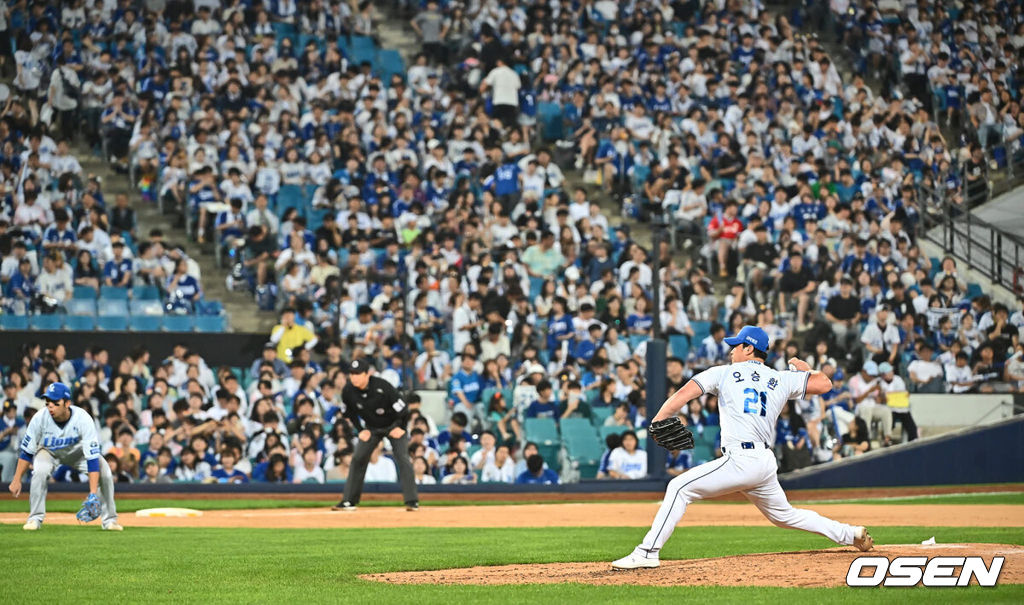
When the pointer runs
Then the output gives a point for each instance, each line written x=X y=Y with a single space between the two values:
x=13 y=322
x=145 y=293
x=391 y=63
x=549 y=116
x=290 y=196
x=179 y=323
x=701 y=330
x=543 y=431
x=46 y=322
x=80 y=322
x=108 y=307
x=604 y=431
x=973 y=291
x=679 y=345
x=113 y=293
x=145 y=323
x=210 y=307
x=113 y=323
x=84 y=292
x=210 y=323
x=150 y=308
x=80 y=306
x=362 y=43
x=635 y=340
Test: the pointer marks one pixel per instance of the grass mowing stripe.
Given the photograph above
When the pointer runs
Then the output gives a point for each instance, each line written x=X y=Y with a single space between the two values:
x=165 y=565
x=961 y=498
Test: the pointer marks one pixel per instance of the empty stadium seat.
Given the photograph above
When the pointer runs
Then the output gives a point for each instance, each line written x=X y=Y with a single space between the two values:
x=113 y=293
x=80 y=306
x=113 y=323
x=84 y=292
x=542 y=431
x=46 y=322
x=600 y=413
x=577 y=429
x=107 y=307
x=145 y=293
x=709 y=435
x=80 y=322
x=636 y=339
x=145 y=323
x=210 y=323
x=146 y=307
x=701 y=330
x=604 y=431
x=179 y=323
x=679 y=345
x=13 y=322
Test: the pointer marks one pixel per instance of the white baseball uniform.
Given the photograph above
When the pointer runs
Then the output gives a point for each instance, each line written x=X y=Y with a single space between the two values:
x=751 y=396
x=74 y=443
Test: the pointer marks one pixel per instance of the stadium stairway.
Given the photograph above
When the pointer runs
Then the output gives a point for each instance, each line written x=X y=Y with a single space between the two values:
x=239 y=306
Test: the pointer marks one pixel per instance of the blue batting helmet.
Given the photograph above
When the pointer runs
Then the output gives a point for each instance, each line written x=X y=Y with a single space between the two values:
x=57 y=391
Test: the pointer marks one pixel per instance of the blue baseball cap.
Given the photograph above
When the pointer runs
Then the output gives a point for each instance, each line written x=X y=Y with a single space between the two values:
x=57 y=391
x=750 y=335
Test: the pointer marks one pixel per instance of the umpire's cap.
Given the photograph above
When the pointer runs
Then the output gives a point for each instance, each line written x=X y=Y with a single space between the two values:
x=57 y=391
x=358 y=366
x=750 y=335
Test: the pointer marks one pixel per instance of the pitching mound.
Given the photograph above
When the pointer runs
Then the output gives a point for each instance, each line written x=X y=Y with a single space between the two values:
x=811 y=568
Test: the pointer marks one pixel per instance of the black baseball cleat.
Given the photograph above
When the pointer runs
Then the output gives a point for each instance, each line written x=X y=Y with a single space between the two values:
x=344 y=505
x=412 y=506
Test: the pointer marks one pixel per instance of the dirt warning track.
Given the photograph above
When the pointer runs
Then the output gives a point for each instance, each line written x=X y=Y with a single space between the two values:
x=622 y=514
x=804 y=569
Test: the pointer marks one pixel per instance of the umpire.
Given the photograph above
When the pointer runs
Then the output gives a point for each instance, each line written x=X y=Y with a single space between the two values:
x=376 y=408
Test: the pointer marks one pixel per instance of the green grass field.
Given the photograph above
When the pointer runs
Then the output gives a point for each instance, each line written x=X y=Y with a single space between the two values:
x=152 y=565
x=178 y=565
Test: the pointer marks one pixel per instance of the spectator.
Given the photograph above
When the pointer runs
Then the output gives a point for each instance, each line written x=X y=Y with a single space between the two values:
x=628 y=461
x=536 y=473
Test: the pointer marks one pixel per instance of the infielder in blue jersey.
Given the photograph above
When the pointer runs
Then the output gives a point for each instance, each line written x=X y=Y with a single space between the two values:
x=65 y=435
x=750 y=397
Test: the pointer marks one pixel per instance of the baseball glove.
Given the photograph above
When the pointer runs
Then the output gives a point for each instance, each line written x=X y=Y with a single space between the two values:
x=671 y=434
x=90 y=509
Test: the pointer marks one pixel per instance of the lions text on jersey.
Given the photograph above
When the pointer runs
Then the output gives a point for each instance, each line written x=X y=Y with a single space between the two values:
x=68 y=442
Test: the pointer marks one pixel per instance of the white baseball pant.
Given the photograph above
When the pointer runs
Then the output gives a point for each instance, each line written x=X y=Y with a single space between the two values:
x=43 y=465
x=752 y=472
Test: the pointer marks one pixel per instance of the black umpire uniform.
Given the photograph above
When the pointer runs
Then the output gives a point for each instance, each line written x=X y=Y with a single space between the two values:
x=379 y=409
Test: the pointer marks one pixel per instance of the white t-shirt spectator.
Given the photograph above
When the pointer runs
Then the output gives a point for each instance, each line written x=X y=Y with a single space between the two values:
x=957 y=374
x=493 y=474
x=302 y=475
x=382 y=471
x=876 y=337
x=632 y=465
x=925 y=370
x=505 y=84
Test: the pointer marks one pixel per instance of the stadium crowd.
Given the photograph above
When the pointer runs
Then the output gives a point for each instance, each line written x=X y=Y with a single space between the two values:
x=415 y=220
x=959 y=59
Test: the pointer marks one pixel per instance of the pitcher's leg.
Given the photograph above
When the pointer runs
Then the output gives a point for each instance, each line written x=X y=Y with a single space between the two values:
x=710 y=479
x=43 y=465
x=773 y=504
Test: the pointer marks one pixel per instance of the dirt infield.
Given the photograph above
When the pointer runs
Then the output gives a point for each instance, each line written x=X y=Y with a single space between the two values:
x=849 y=493
x=806 y=569
x=622 y=514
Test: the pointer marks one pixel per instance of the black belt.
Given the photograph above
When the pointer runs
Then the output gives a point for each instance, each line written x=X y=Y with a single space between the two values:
x=749 y=445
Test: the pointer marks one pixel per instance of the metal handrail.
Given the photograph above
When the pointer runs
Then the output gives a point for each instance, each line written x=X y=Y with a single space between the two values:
x=970 y=240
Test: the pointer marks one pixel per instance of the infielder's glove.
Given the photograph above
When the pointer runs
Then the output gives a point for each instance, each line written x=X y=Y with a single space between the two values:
x=90 y=509
x=671 y=434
